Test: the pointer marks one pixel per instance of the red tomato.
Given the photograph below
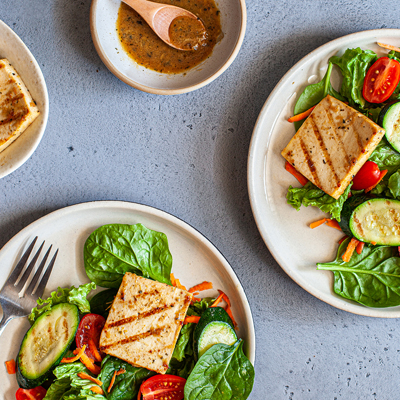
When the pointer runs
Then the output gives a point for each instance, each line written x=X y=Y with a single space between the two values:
x=381 y=80
x=37 y=393
x=367 y=176
x=162 y=387
x=89 y=329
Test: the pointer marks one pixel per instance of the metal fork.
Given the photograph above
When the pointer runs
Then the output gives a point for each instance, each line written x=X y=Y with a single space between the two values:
x=12 y=304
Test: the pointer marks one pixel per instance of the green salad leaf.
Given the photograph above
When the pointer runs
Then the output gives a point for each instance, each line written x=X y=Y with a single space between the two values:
x=310 y=195
x=112 y=250
x=102 y=301
x=354 y=64
x=222 y=373
x=126 y=386
x=58 y=389
x=72 y=295
x=371 y=278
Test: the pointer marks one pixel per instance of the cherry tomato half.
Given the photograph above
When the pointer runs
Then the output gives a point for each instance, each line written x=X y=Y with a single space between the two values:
x=37 y=393
x=89 y=329
x=162 y=387
x=381 y=80
x=367 y=176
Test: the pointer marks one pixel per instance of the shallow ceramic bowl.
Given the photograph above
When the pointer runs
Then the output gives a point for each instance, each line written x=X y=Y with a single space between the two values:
x=103 y=17
x=12 y=48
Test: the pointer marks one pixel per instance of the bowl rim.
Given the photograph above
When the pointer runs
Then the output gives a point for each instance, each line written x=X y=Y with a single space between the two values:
x=107 y=62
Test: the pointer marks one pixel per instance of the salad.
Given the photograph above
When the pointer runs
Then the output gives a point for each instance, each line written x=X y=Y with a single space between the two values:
x=61 y=356
x=367 y=266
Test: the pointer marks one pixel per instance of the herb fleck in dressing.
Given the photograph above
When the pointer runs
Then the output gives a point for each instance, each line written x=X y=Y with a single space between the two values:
x=147 y=49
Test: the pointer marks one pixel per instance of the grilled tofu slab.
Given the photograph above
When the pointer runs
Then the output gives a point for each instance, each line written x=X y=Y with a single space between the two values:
x=332 y=145
x=17 y=108
x=144 y=322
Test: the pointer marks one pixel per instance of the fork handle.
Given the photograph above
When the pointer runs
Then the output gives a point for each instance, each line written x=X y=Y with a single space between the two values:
x=4 y=321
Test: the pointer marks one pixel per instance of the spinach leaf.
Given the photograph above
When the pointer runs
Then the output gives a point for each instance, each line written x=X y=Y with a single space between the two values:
x=126 y=386
x=223 y=372
x=371 y=278
x=310 y=195
x=72 y=295
x=198 y=307
x=101 y=302
x=386 y=157
x=112 y=250
x=314 y=93
x=354 y=64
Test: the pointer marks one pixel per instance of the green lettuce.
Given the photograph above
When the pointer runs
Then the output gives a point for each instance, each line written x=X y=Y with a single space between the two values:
x=354 y=64
x=72 y=295
x=310 y=195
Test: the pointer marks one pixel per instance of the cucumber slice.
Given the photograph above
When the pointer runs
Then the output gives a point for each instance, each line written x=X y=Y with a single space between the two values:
x=348 y=207
x=45 y=344
x=215 y=326
x=377 y=220
x=389 y=119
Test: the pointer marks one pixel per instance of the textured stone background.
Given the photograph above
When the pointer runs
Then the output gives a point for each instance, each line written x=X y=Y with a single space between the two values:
x=187 y=155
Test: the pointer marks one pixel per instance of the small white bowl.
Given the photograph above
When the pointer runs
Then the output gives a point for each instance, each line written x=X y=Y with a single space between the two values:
x=13 y=48
x=103 y=18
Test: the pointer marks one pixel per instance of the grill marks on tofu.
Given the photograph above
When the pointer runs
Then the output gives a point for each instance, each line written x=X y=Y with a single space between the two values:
x=332 y=145
x=144 y=322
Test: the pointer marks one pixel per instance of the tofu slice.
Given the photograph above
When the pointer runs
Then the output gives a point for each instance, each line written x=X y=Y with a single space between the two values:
x=17 y=108
x=332 y=145
x=144 y=322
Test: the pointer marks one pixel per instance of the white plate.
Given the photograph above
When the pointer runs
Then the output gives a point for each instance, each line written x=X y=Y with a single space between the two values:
x=295 y=246
x=195 y=259
x=13 y=48
x=103 y=18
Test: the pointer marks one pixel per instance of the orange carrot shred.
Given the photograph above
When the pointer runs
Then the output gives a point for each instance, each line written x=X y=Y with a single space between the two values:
x=342 y=239
x=318 y=223
x=360 y=247
x=350 y=250
x=195 y=299
x=201 y=286
x=175 y=282
x=79 y=353
x=88 y=363
x=11 y=367
x=333 y=224
x=121 y=371
x=90 y=378
x=302 y=179
x=225 y=297
x=388 y=46
x=301 y=116
x=217 y=300
x=373 y=243
x=96 y=389
x=383 y=173
x=94 y=351
x=191 y=319
x=229 y=312
x=112 y=382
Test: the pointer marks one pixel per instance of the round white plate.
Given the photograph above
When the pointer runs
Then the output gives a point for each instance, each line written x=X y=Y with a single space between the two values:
x=13 y=48
x=195 y=260
x=103 y=18
x=295 y=246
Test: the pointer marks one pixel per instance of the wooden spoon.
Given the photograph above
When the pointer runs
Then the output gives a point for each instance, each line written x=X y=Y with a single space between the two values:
x=160 y=16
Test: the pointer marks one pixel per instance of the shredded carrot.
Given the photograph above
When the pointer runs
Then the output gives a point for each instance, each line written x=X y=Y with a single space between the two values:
x=373 y=243
x=225 y=297
x=200 y=287
x=229 y=312
x=289 y=167
x=90 y=378
x=301 y=116
x=350 y=250
x=191 y=319
x=78 y=353
x=333 y=224
x=194 y=300
x=175 y=282
x=11 y=367
x=121 y=371
x=96 y=389
x=360 y=247
x=88 y=363
x=383 y=173
x=318 y=223
x=342 y=239
x=94 y=351
x=388 y=46
x=217 y=300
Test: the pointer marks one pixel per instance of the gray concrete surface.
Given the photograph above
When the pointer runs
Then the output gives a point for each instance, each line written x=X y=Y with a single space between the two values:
x=187 y=155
